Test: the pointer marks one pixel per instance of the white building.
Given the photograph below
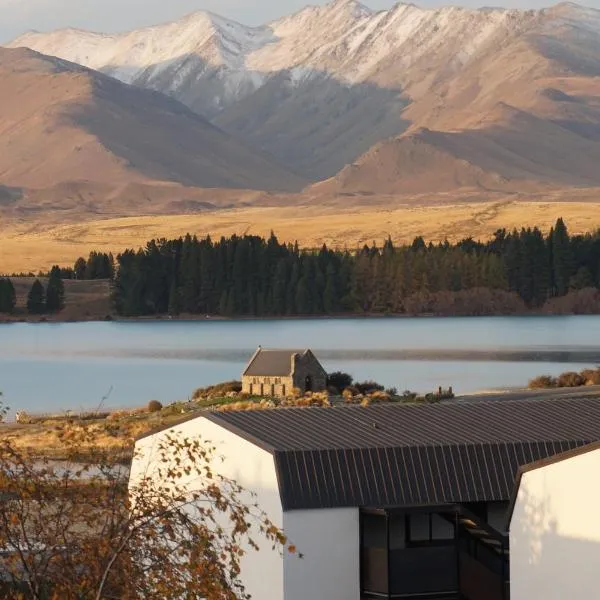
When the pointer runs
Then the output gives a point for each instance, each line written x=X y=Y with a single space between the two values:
x=388 y=501
x=555 y=529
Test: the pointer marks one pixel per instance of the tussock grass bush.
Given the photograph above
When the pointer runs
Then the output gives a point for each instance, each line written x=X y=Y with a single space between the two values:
x=247 y=405
x=368 y=387
x=220 y=389
x=568 y=379
x=25 y=418
x=543 y=382
x=592 y=376
x=154 y=406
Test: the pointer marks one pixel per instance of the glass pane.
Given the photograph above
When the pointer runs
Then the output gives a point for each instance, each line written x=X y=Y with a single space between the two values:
x=441 y=528
x=397 y=532
x=374 y=531
x=419 y=527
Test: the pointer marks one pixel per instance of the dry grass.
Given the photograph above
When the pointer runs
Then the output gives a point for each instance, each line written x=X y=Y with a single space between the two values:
x=116 y=435
x=347 y=222
x=83 y=299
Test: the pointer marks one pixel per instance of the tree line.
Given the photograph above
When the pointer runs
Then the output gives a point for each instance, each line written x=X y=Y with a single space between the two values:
x=252 y=276
x=40 y=299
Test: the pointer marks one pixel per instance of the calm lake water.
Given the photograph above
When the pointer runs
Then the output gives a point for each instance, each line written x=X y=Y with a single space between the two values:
x=48 y=367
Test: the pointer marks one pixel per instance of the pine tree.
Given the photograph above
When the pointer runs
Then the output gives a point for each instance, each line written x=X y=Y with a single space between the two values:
x=278 y=303
x=331 y=295
x=562 y=260
x=7 y=296
x=36 y=299
x=302 y=301
x=174 y=299
x=224 y=304
x=582 y=279
x=80 y=268
x=55 y=291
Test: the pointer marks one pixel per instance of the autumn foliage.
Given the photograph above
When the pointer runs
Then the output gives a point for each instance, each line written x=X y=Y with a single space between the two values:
x=76 y=532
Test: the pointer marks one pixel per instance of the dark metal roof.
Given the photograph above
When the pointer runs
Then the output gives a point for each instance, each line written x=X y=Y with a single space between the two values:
x=407 y=455
x=271 y=363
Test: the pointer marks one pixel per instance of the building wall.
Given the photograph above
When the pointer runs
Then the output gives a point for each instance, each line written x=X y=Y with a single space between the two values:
x=252 y=468
x=300 y=366
x=328 y=540
x=555 y=531
x=309 y=366
x=272 y=386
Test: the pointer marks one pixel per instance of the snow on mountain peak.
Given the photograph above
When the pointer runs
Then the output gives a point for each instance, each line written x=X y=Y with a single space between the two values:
x=209 y=61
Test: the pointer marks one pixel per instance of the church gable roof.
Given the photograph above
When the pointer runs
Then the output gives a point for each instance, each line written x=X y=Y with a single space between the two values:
x=272 y=363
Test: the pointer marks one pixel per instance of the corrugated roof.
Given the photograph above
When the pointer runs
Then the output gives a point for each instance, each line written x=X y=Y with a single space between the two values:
x=271 y=363
x=403 y=455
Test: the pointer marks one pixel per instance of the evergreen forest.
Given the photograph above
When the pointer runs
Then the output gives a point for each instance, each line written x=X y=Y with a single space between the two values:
x=251 y=276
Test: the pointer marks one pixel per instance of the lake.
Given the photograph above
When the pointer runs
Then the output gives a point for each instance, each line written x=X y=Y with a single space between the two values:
x=52 y=367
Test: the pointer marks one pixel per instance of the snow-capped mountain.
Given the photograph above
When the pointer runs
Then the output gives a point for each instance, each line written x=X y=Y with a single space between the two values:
x=319 y=88
x=343 y=39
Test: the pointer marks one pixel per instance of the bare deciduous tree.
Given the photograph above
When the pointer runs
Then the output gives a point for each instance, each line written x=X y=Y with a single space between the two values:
x=76 y=531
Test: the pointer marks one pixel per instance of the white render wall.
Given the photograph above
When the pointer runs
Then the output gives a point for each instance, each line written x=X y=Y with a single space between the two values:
x=253 y=469
x=555 y=532
x=328 y=540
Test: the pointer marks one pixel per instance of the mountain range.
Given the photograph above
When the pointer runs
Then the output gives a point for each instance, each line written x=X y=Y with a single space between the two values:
x=333 y=100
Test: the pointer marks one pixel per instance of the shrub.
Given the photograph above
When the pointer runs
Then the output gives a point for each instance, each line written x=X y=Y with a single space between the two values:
x=368 y=387
x=591 y=376
x=348 y=396
x=220 y=389
x=339 y=380
x=154 y=406
x=570 y=379
x=542 y=382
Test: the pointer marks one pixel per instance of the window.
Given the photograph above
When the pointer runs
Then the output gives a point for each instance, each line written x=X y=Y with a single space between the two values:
x=374 y=533
x=428 y=528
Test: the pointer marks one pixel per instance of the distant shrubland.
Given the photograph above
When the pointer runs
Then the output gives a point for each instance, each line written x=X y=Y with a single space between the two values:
x=568 y=379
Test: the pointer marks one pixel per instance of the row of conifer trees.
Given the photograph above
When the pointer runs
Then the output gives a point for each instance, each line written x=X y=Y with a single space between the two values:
x=40 y=299
x=248 y=275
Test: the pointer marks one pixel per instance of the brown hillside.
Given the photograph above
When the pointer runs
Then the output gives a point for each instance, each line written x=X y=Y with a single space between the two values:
x=60 y=122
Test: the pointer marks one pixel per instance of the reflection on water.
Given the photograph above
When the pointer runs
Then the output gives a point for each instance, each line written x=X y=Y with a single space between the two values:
x=72 y=366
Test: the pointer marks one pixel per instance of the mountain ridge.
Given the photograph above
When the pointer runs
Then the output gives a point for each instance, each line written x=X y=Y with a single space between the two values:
x=321 y=88
x=63 y=122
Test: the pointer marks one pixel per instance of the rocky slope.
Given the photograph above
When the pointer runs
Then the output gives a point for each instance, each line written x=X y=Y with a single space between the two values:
x=495 y=96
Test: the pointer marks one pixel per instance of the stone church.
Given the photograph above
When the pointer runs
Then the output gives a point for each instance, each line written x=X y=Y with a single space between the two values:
x=279 y=372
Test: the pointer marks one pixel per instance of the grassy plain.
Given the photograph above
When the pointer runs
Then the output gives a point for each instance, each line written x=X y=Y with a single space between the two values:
x=83 y=300
x=26 y=246
x=53 y=439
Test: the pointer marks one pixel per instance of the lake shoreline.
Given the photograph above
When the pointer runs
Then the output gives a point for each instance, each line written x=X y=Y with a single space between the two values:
x=132 y=361
x=58 y=318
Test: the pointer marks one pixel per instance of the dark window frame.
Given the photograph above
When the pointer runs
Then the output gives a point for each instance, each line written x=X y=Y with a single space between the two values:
x=410 y=543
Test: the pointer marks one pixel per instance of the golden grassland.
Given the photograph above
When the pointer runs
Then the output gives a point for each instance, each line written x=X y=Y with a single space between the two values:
x=26 y=246
x=51 y=439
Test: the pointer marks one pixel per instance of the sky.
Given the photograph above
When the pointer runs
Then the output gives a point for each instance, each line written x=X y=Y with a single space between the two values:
x=18 y=16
